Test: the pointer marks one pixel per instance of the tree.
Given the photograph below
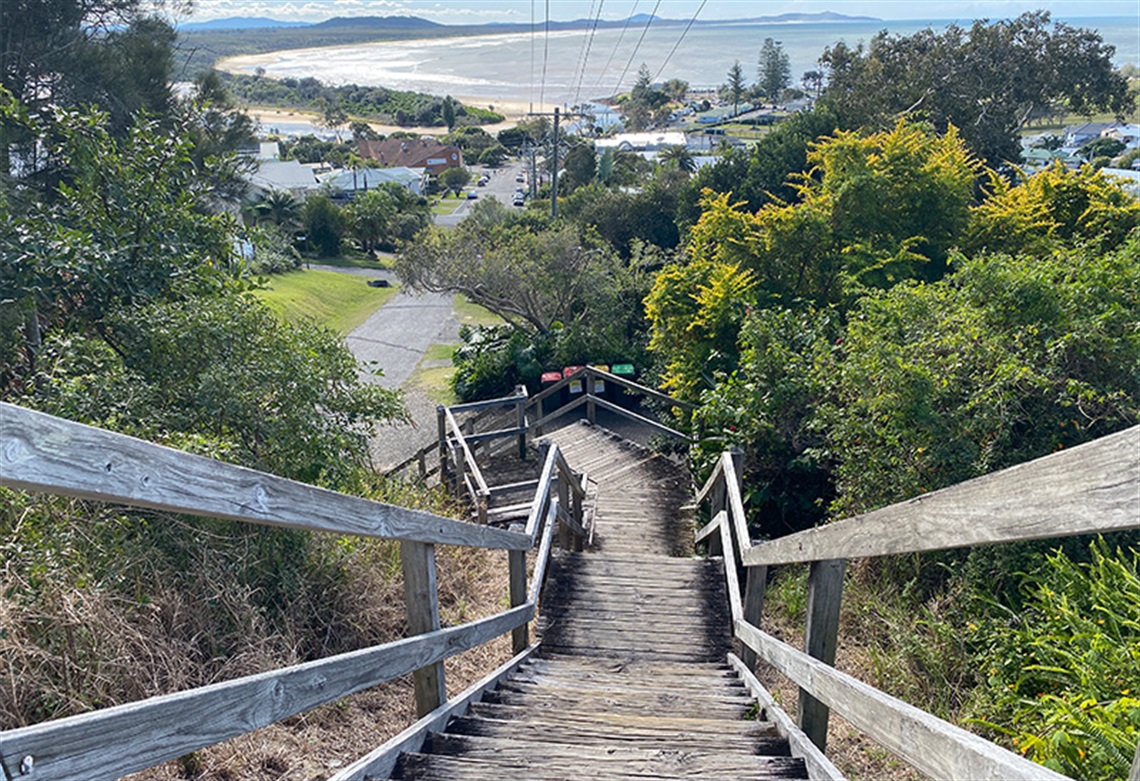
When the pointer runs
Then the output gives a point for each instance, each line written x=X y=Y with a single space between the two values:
x=448 y=113
x=775 y=70
x=678 y=157
x=884 y=208
x=813 y=82
x=1007 y=360
x=1055 y=209
x=279 y=207
x=988 y=80
x=362 y=131
x=334 y=117
x=1103 y=147
x=493 y=156
x=531 y=278
x=581 y=165
x=675 y=89
x=455 y=179
x=324 y=223
x=735 y=86
x=369 y=218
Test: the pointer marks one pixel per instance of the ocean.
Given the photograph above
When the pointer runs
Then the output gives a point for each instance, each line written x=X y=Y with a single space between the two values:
x=511 y=67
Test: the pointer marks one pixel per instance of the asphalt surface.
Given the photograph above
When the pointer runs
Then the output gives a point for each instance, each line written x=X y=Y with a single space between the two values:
x=501 y=186
x=396 y=336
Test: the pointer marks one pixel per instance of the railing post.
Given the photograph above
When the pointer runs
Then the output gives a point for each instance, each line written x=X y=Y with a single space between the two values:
x=576 y=505
x=718 y=501
x=753 y=608
x=564 y=530
x=441 y=422
x=520 y=419
x=520 y=635
x=825 y=594
x=423 y=464
x=588 y=387
x=421 y=595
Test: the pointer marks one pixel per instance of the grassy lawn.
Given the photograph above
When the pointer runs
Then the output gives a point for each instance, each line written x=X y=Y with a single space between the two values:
x=473 y=314
x=433 y=375
x=353 y=258
x=448 y=205
x=338 y=301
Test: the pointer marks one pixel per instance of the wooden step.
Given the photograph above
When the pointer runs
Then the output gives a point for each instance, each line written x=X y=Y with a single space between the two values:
x=537 y=765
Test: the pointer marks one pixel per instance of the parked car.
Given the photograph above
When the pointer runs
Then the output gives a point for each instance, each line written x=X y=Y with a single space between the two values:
x=472 y=194
x=520 y=178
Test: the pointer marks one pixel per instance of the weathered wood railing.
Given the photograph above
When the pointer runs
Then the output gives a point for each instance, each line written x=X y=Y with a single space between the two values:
x=41 y=453
x=1092 y=488
x=590 y=377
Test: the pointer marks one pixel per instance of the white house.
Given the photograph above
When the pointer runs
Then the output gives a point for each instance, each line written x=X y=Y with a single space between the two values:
x=351 y=181
x=288 y=175
x=642 y=142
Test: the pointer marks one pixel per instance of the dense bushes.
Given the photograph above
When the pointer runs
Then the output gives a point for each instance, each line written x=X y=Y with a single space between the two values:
x=408 y=109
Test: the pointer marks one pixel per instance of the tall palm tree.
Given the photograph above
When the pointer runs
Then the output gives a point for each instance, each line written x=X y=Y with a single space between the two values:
x=678 y=157
x=279 y=207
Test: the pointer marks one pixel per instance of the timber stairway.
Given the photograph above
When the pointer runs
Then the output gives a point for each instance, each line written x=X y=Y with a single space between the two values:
x=631 y=680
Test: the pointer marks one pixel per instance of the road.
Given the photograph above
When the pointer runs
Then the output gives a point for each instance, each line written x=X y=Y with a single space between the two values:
x=501 y=186
x=396 y=336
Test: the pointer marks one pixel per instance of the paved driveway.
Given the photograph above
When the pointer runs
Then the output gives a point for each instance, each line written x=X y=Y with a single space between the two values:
x=397 y=335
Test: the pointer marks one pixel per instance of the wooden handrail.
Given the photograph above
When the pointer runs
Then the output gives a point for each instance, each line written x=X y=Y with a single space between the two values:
x=469 y=459
x=1091 y=488
x=933 y=746
x=110 y=743
x=45 y=454
x=42 y=453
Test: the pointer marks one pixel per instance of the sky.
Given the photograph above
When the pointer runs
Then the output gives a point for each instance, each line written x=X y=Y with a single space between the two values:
x=481 y=11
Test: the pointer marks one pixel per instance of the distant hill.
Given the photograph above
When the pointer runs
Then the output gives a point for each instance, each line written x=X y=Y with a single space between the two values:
x=383 y=23
x=239 y=23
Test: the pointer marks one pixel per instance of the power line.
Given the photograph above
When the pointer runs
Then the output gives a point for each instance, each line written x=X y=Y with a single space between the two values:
x=589 y=45
x=636 y=49
x=532 y=55
x=678 y=43
x=545 y=53
x=621 y=36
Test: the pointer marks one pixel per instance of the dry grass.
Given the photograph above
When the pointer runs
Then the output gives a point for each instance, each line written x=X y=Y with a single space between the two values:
x=70 y=644
x=857 y=756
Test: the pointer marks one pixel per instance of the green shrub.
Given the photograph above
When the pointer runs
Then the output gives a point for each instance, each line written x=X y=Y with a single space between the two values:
x=1063 y=675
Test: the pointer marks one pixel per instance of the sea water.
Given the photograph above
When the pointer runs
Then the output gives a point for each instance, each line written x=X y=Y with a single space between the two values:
x=567 y=67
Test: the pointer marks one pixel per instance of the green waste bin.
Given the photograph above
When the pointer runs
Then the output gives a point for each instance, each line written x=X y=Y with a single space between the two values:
x=618 y=394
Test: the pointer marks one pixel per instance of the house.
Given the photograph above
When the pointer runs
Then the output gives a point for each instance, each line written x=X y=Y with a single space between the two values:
x=287 y=175
x=350 y=181
x=601 y=116
x=1076 y=136
x=1128 y=134
x=641 y=142
x=1036 y=159
x=414 y=153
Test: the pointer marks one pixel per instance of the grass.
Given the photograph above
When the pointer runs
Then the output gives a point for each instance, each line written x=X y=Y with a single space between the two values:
x=433 y=375
x=355 y=259
x=473 y=314
x=448 y=204
x=339 y=301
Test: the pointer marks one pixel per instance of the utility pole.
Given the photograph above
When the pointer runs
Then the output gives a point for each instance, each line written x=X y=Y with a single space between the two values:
x=554 y=168
x=554 y=171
